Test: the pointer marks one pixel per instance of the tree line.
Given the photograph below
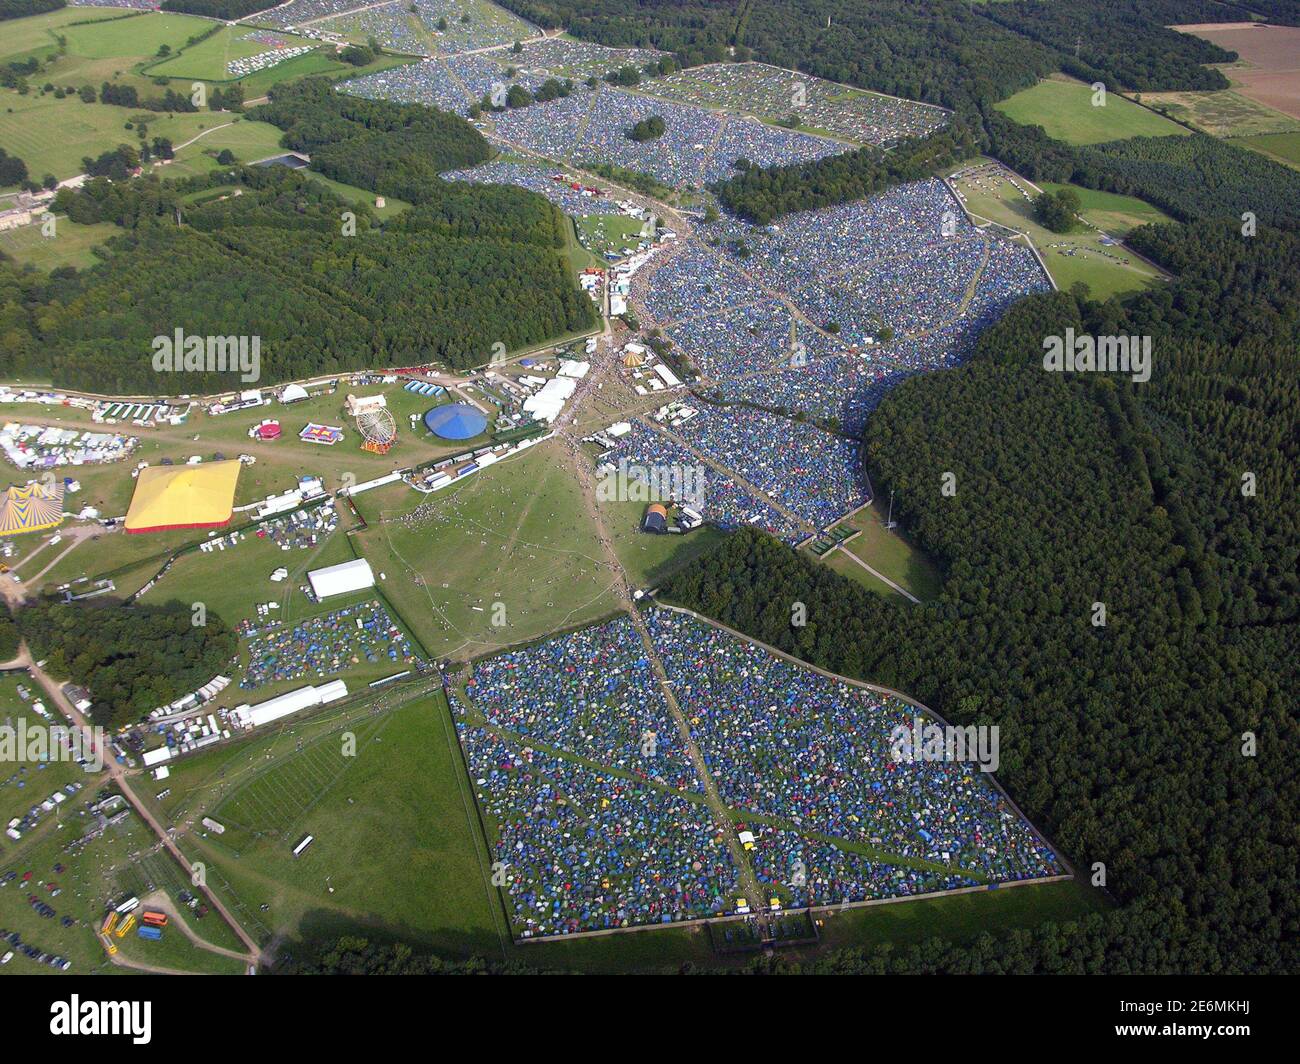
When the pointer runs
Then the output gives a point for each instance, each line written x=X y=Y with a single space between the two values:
x=947 y=52
x=763 y=194
x=131 y=658
x=1188 y=177
x=446 y=282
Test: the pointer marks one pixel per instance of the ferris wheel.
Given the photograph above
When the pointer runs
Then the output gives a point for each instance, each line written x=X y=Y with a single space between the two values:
x=378 y=429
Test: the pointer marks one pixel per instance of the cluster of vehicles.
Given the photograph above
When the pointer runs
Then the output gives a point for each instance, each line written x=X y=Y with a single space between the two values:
x=122 y=920
x=62 y=964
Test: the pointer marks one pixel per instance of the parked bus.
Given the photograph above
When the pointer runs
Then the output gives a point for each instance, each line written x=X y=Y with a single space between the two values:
x=153 y=918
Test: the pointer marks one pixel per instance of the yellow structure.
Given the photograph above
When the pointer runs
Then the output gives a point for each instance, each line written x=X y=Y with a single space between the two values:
x=188 y=496
x=32 y=508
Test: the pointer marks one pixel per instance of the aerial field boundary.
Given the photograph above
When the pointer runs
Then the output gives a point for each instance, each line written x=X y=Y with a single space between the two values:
x=879 y=689
x=933 y=895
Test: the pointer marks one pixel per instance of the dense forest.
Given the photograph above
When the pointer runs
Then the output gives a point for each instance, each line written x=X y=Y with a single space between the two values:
x=1174 y=504
x=226 y=10
x=763 y=195
x=23 y=8
x=948 y=52
x=392 y=148
x=1135 y=52
x=267 y=252
x=132 y=659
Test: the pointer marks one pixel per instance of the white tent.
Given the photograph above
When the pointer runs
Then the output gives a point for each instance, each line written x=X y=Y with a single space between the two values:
x=547 y=404
x=342 y=578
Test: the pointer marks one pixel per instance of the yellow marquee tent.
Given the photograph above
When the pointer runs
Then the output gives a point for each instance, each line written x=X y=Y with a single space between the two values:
x=188 y=496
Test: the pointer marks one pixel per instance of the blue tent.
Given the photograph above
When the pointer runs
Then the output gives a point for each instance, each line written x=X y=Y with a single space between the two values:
x=458 y=421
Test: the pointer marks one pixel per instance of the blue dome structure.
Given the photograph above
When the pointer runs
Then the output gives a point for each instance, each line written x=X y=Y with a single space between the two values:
x=458 y=421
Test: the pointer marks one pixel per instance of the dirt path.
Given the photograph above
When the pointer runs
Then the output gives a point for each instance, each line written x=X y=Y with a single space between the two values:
x=747 y=882
x=727 y=471
x=118 y=775
x=880 y=576
x=159 y=900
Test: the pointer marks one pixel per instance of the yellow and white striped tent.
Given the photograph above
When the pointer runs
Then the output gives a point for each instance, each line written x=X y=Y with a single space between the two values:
x=31 y=508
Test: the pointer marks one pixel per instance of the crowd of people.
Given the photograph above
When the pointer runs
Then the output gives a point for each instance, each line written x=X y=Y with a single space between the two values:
x=803 y=871
x=580 y=59
x=389 y=24
x=592 y=694
x=785 y=742
x=296 y=12
x=840 y=391
x=813 y=473
x=536 y=178
x=806 y=246
x=697 y=146
x=725 y=503
x=323 y=645
x=429 y=82
x=775 y=94
x=749 y=338
x=907 y=295
x=697 y=281
x=584 y=838
x=579 y=849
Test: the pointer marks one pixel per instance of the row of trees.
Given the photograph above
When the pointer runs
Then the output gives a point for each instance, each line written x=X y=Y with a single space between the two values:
x=1191 y=177
x=131 y=658
x=762 y=195
x=226 y=10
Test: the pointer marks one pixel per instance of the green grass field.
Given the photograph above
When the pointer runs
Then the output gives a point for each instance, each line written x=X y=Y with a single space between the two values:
x=129 y=38
x=1284 y=147
x=52 y=136
x=24 y=783
x=208 y=60
x=35 y=34
x=396 y=849
x=248 y=141
x=605 y=234
x=960 y=917
x=70 y=245
x=1114 y=214
x=649 y=559
x=103 y=870
x=1063 y=107
x=516 y=534
x=1072 y=257
x=887 y=552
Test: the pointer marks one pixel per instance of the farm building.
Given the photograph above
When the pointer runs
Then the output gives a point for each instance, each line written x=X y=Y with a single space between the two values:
x=342 y=578
x=188 y=496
